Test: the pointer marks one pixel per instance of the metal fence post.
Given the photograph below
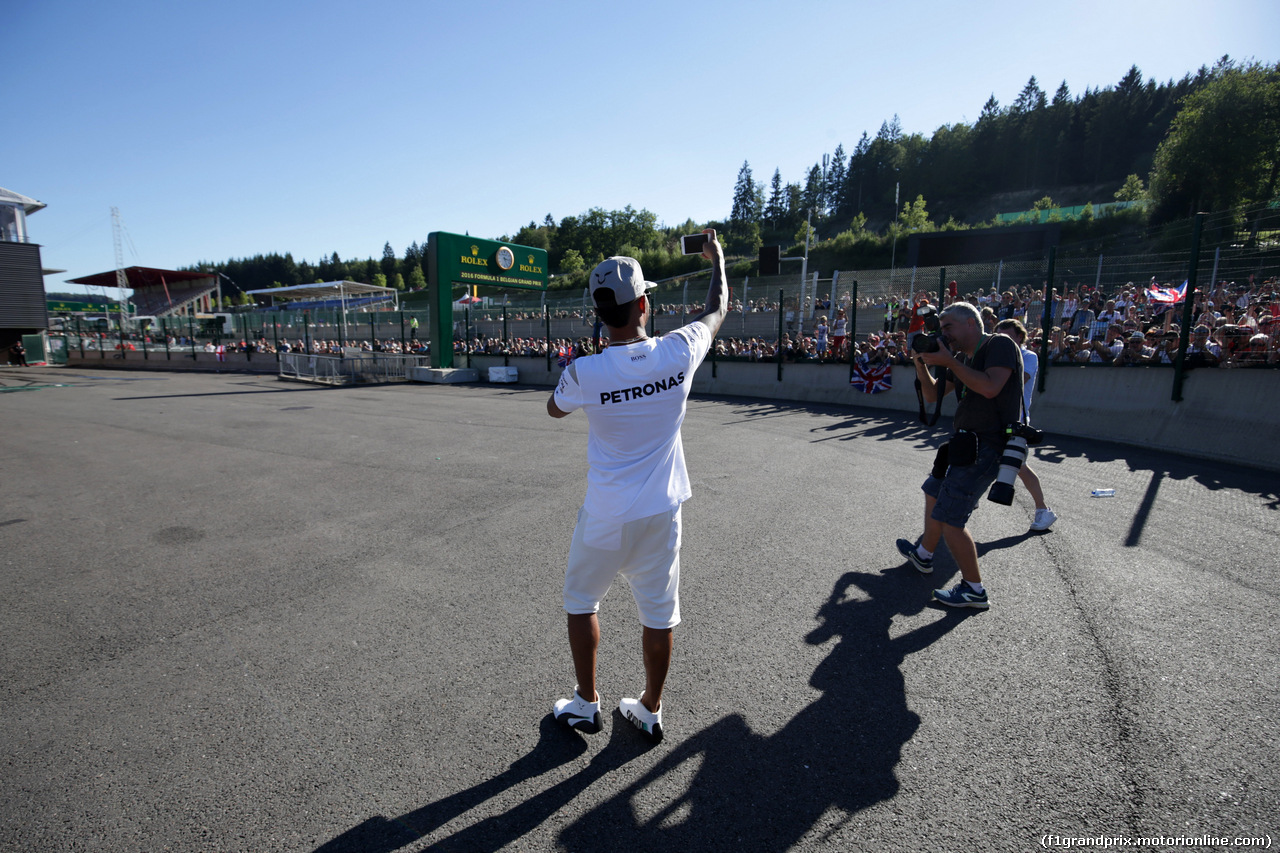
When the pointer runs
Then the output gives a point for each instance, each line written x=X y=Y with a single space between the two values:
x=546 y=318
x=168 y=356
x=191 y=331
x=852 y=326
x=1043 y=367
x=275 y=335
x=781 y=292
x=506 y=341
x=942 y=287
x=1188 y=298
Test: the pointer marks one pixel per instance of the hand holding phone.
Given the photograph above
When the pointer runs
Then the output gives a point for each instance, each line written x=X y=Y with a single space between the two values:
x=694 y=244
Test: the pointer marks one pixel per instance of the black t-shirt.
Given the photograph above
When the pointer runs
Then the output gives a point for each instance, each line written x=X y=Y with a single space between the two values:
x=989 y=417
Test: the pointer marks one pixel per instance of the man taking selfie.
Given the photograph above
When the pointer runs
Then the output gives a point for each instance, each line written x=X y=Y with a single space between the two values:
x=634 y=395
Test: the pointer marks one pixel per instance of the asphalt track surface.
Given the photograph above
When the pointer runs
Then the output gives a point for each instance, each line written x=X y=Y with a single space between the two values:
x=246 y=615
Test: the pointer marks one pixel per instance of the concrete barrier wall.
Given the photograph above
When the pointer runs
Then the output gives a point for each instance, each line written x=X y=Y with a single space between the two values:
x=1228 y=415
x=178 y=360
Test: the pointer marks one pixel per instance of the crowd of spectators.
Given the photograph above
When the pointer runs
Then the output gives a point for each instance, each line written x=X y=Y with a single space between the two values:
x=1234 y=325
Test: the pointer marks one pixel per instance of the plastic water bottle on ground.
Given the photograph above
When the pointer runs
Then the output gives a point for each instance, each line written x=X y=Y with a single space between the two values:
x=1103 y=493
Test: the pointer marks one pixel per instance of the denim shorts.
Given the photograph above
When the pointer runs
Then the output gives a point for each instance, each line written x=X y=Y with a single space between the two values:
x=960 y=490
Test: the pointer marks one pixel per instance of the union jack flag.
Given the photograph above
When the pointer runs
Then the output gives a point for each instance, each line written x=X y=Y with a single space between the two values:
x=1168 y=295
x=871 y=378
x=564 y=355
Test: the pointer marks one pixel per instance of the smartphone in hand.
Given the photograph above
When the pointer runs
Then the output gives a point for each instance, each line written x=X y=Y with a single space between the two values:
x=693 y=244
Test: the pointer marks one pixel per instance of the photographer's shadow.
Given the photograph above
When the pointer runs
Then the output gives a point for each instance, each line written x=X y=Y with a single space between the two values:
x=557 y=746
x=753 y=792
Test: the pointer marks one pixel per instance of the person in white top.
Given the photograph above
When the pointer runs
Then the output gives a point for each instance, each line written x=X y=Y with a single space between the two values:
x=838 y=332
x=634 y=395
x=1045 y=517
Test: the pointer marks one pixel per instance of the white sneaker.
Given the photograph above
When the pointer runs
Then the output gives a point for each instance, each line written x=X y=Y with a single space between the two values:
x=649 y=722
x=1044 y=518
x=578 y=713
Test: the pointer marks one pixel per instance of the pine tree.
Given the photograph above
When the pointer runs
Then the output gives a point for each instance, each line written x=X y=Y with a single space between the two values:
x=389 y=261
x=858 y=164
x=744 y=196
x=835 y=190
x=1029 y=98
x=990 y=111
x=813 y=191
x=776 y=208
x=413 y=257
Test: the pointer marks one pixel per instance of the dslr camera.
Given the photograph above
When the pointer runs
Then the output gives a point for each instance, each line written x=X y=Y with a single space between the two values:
x=931 y=339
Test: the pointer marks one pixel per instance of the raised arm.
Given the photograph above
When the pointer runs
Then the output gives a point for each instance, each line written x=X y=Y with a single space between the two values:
x=717 y=305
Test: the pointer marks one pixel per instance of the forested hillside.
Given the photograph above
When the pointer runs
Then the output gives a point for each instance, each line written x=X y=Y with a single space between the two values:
x=1208 y=141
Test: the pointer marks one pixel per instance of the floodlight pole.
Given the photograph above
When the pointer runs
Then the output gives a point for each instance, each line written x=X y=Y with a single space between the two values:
x=893 y=255
x=808 y=238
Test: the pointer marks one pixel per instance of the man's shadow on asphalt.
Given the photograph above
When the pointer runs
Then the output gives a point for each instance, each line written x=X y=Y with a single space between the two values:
x=556 y=746
x=750 y=791
x=754 y=792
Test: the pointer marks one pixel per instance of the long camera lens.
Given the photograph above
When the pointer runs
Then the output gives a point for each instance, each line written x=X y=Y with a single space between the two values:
x=1015 y=453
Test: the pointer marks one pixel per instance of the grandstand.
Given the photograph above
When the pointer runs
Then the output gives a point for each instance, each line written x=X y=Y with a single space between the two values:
x=344 y=295
x=162 y=293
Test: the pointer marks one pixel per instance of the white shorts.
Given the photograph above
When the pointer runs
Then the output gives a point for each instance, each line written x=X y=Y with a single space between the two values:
x=646 y=552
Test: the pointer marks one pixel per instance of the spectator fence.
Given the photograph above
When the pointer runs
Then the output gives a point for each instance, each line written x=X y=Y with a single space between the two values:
x=776 y=318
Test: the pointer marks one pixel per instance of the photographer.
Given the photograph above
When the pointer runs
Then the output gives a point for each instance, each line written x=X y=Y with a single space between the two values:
x=986 y=373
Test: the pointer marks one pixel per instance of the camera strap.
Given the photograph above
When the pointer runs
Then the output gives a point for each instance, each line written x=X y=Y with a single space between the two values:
x=940 y=389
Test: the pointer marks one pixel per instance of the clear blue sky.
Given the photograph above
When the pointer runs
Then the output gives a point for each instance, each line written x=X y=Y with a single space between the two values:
x=237 y=128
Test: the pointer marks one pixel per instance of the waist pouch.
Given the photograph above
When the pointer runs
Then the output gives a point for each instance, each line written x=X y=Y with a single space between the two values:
x=940 y=462
x=963 y=448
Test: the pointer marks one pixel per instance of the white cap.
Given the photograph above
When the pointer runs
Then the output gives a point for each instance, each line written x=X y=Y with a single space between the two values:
x=623 y=277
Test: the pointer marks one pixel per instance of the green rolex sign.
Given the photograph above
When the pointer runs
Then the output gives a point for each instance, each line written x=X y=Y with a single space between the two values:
x=456 y=259
x=55 y=306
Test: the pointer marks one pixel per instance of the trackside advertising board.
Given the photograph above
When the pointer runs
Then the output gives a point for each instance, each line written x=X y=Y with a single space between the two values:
x=456 y=259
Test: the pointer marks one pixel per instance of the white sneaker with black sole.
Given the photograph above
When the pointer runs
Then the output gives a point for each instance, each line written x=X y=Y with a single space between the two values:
x=578 y=713
x=649 y=722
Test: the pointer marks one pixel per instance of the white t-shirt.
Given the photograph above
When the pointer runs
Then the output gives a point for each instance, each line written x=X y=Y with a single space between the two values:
x=1030 y=365
x=634 y=397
